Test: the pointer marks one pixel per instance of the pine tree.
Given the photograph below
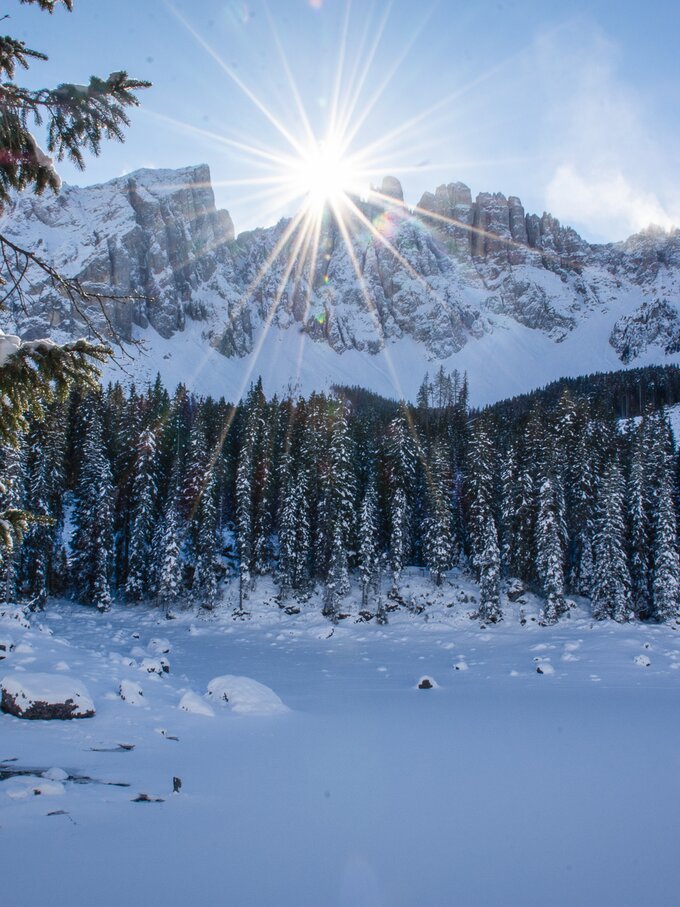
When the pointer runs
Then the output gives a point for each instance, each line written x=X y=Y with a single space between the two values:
x=169 y=566
x=12 y=501
x=45 y=481
x=640 y=528
x=437 y=529
x=488 y=563
x=369 y=551
x=36 y=373
x=144 y=500
x=337 y=579
x=93 y=515
x=294 y=535
x=482 y=485
x=204 y=587
x=611 y=579
x=550 y=536
x=665 y=566
x=400 y=454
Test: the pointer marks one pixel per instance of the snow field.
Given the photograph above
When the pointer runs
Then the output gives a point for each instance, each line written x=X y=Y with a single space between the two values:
x=500 y=786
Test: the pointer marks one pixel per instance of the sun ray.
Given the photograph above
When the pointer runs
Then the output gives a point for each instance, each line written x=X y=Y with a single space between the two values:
x=302 y=113
x=357 y=84
x=384 y=84
x=370 y=304
x=249 y=93
x=342 y=50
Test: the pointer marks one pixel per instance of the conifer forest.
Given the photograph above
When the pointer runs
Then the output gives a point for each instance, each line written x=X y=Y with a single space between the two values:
x=159 y=496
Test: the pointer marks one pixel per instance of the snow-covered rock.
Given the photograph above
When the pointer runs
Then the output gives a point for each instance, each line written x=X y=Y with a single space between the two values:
x=192 y=702
x=6 y=645
x=157 y=666
x=55 y=774
x=427 y=683
x=642 y=660
x=45 y=696
x=245 y=695
x=159 y=647
x=131 y=692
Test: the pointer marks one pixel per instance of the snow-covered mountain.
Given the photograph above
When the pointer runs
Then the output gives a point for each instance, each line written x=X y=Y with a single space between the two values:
x=478 y=285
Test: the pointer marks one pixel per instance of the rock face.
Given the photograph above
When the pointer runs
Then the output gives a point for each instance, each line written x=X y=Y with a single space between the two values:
x=653 y=323
x=443 y=275
x=45 y=696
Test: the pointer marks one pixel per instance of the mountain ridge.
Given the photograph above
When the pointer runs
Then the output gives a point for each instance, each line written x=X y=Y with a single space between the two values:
x=456 y=281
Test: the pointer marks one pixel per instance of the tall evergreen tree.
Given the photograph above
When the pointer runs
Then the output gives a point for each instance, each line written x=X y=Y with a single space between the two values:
x=550 y=535
x=369 y=548
x=611 y=580
x=144 y=511
x=93 y=515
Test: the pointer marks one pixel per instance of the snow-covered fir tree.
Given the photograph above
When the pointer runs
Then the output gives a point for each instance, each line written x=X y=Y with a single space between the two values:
x=92 y=545
x=611 y=579
x=488 y=564
x=437 y=529
x=665 y=566
x=550 y=538
x=369 y=544
x=400 y=454
x=169 y=567
x=143 y=507
x=204 y=586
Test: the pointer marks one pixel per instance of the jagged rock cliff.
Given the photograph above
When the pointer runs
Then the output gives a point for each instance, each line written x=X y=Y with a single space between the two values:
x=444 y=275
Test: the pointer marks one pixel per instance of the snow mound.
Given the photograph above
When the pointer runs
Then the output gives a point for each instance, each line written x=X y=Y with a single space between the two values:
x=157 y=666
x=245 y=695
x=45 y=696
x=55 y=774
x=544 y=667
x=460 y=666
x=17 y=615
x=642 y=660
x=196 y=705
x=131 y=692
x=159 y=647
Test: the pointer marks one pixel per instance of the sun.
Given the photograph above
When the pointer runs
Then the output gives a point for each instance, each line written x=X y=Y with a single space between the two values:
x=324 y=174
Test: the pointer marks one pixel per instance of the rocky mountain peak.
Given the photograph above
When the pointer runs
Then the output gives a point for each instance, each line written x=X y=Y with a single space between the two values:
x=452 y=273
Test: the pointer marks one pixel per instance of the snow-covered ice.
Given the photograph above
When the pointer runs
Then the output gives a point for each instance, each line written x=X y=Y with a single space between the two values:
x=366 y=790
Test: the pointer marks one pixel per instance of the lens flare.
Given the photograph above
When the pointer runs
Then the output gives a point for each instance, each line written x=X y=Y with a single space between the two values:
x=324 y=174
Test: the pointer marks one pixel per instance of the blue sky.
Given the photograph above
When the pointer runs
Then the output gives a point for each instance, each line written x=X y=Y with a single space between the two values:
x=575 y=107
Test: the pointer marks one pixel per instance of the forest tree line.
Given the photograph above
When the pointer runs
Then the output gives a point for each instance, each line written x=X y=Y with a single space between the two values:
x=148 y=496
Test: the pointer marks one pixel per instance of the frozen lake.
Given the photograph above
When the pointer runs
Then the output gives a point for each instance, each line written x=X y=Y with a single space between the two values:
x=498 y=786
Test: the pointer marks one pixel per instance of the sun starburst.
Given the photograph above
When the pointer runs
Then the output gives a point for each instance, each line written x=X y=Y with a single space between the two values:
x=326 y=175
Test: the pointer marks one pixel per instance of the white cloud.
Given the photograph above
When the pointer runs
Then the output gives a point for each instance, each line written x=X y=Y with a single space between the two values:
x=609 y=169
x=606 y=200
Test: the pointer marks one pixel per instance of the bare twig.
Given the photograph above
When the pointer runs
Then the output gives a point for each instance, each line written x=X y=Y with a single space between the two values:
x=71 y=287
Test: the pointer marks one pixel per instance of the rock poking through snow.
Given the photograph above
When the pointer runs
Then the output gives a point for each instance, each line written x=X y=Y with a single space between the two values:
x=45 y=696
x=245 y=695
x=157 y=666
x=642 y=660
x=427 y=683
